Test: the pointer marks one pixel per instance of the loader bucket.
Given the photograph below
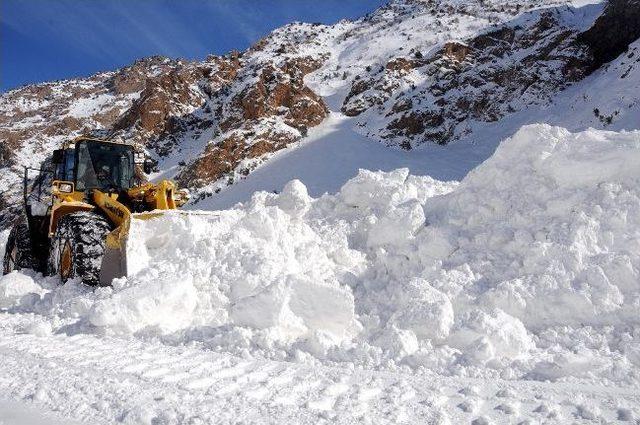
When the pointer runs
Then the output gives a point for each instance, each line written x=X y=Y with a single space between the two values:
x=119 y=249
x=114 y=261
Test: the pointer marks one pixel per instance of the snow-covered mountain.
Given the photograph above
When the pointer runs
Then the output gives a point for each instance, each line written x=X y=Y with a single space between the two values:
x=411 y=73
x=476 y=260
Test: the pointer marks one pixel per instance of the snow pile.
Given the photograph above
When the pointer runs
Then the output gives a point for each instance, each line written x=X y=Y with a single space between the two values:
x=261 y=266
x=528 y=267
x=549 y=227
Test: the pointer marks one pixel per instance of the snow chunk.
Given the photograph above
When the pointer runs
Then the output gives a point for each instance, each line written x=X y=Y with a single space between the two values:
x=165 y=304
x=426 y=311
x=495 y=332
x=294 y=199
x=16 y=289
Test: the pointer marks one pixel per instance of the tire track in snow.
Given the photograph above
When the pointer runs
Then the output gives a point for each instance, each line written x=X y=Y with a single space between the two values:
x=102 y=380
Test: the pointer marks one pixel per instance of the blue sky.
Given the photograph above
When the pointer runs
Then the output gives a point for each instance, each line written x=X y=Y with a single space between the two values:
x=42 y=40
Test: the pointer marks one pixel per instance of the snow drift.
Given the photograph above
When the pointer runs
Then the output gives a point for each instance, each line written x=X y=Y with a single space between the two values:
x=532 y=259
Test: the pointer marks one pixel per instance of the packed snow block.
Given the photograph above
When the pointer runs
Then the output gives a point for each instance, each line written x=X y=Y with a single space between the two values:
x=166 y=239
x=268 y=309
x=424 y=310
x=378 y=190
x=323 y=306
x=165 y=304
x=487 y=334
x=440 y=245
x=296 y=305
x=398 y=225
x=17 y=288
x=399 y=342
x=294 y=199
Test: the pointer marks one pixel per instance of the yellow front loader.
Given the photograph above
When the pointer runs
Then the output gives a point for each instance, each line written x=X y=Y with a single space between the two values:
x=79 y=209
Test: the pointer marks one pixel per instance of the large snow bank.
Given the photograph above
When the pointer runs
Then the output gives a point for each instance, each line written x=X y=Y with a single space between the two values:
x=549 y=228
x=262 y=266
x=528 y=267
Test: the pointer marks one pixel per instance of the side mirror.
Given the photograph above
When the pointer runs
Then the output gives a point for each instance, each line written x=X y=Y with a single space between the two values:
x=58 y=156
x=147 y=166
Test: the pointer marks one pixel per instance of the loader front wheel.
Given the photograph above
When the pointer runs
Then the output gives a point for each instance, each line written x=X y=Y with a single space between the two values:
x=18 y=252
x=78 y=247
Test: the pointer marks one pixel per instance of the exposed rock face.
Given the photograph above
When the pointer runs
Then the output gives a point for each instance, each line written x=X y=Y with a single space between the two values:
x=278 y=91
x=249 y=122
x=613 y=31
x=482 y=79
x=230 y=112
x=456 y=51
x=233 y=154
x=164 y=103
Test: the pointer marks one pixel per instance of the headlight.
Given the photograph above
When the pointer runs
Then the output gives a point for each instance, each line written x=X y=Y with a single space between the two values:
x=65 y=187
x=181 y=195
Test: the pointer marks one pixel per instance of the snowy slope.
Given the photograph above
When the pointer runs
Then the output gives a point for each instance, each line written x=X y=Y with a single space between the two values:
x=335 y=150
x=609 y=98
x=333 y=153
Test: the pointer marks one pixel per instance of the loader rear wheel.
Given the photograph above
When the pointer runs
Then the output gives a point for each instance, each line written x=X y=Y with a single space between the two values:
x=78 y=247
x=18 y=252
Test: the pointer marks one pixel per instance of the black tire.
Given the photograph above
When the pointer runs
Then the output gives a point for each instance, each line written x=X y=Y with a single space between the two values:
x=78 y=247
x=18 y=252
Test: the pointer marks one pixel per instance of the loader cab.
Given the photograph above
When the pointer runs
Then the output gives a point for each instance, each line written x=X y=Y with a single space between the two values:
x=96 y=164
x=104 y=166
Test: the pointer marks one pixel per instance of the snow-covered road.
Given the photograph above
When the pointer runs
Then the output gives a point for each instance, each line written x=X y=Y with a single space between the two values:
x=20 y=413
x=107 y=380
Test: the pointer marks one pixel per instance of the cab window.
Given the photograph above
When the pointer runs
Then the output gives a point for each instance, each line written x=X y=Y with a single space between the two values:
x=104 y=166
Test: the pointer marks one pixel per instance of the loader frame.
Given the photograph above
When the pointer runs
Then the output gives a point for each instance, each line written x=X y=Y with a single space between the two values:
x=118 y=204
